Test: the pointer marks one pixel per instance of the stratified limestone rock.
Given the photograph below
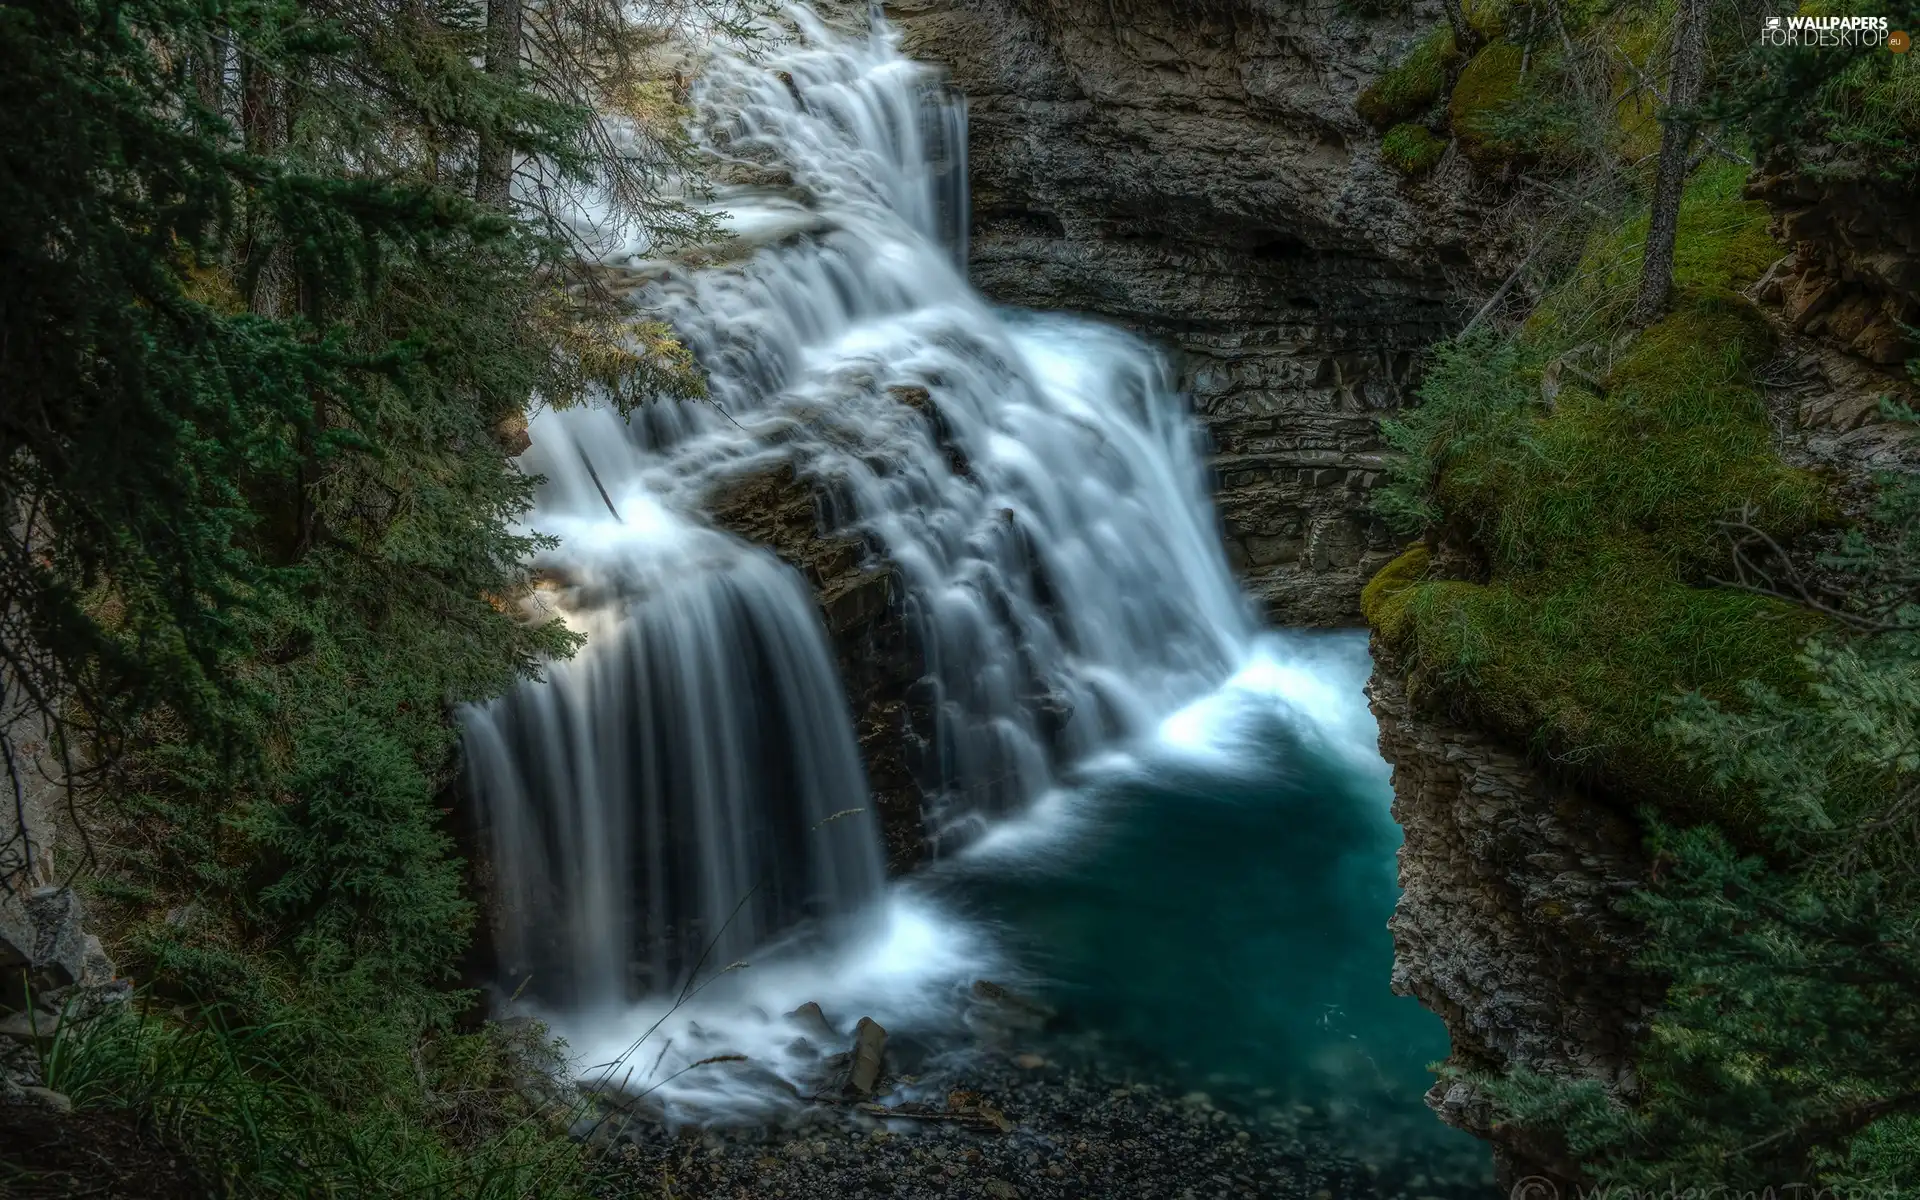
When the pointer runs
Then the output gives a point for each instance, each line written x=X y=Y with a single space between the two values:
x=1198 y=173
x=1506 y=924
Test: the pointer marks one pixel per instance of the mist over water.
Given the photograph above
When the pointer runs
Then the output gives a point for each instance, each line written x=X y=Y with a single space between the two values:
x=1169 y=823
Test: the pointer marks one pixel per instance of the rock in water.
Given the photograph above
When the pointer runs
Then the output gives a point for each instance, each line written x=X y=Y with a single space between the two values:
x=1011 y=1010
x=869 y=1046
x=812 y=1021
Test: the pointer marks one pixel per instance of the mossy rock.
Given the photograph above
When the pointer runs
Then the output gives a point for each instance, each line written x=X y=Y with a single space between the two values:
x=1489 y=82
x=1383 y=599
x=1411 y=86
x=1411 y=149
x=1488 y=18
x=1598 y=516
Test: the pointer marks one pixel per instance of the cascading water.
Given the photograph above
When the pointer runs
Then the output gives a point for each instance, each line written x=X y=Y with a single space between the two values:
x=678 y=790
x=1050 y=522
x=681 y=791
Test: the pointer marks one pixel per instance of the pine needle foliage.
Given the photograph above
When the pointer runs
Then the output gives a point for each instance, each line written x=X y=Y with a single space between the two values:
x=259 y=532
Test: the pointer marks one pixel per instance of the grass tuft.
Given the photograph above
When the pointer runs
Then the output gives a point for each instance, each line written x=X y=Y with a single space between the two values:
x=1413 y=84
x=1412 y=150
x=253 y=1125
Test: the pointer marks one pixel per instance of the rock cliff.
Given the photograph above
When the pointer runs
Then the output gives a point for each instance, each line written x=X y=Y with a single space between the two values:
x=1505 y=925
x=1853 y=278
x=1197 y=172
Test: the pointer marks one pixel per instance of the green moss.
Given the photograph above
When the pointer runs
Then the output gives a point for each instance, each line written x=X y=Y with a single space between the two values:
x=1488 y=18
x=1413 y=84
x=1597 y=517
x=1411 y=149
x=1487 y=83
x=1383 y=602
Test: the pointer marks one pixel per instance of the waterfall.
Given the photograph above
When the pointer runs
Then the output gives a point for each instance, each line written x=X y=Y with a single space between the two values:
x=1035 y=483
x=679 y=790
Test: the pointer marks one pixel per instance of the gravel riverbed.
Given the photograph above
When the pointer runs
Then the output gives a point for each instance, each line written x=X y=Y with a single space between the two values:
x=1022 y=1127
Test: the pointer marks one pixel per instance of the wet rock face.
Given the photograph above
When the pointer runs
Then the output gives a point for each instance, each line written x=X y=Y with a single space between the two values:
x=873 y=642
x=1197 y=172
x=1505 y=925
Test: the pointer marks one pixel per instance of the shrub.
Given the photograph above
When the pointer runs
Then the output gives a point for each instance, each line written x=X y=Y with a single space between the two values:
x=1411 y=149
x=1596 y=518
x=1413 y=84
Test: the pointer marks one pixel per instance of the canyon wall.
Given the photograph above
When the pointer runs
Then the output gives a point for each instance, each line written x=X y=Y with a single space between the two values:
x=1505 y=925
x=1196 y=172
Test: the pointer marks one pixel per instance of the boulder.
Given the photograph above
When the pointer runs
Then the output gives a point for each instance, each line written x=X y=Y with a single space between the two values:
x=44 y=949
x=30 y=1025
x=17 y=936
x=869 y=1048
x=61 y=947
x=46 y=1098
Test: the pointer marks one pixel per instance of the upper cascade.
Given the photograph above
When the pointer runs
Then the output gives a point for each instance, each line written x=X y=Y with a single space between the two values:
x=1034 y=481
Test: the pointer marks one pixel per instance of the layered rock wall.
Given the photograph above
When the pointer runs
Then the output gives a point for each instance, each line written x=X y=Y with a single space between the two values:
x=1853 y=278
x=1506 y=925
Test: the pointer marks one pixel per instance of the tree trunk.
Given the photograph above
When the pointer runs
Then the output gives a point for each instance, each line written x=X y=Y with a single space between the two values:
x=263 y=126
x=209 y=71
x=1464 y=37
x=494 y=184
x=1676 y=143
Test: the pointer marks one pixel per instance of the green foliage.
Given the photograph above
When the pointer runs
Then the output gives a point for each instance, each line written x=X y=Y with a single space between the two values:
x=1411 y=149
x=254 y=1128
x=261 y=536
x=1723 y=244
x=1486 y=87
x=1413 y=84
x=1789 y=1048
x=1550 y=119
x=1845 y=116
x=1593 y=515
